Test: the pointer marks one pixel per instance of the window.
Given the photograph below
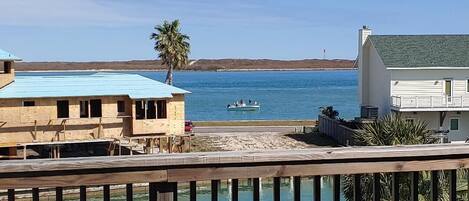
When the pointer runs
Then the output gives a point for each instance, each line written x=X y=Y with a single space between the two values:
x=62 y=109
x=148 y=109
x=151 y=110
x=467 y=85
x=161 y=104
x=84 y=109
x=454 y=124
x=140 y=109
x=28 y=103
x=95 y=108
x=409 y=120
x=120 y=106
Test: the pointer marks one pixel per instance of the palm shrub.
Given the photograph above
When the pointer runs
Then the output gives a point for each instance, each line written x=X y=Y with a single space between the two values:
x=329 y=112
x=393 y=130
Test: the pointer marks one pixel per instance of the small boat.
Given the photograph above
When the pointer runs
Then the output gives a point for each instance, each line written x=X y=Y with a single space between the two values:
x=242 y=106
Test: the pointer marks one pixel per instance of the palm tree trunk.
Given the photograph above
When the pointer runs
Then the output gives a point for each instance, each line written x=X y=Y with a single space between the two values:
x=169 y=75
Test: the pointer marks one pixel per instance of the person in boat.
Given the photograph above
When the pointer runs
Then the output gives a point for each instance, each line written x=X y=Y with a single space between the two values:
x=250 y=101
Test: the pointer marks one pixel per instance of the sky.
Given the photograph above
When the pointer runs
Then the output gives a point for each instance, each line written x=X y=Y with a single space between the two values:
x=110 y=30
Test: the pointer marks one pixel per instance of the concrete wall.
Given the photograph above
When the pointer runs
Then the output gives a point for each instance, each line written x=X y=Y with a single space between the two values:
x=17 y=123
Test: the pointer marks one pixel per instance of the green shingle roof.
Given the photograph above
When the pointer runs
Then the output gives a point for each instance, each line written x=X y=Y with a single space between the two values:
x=408 y=51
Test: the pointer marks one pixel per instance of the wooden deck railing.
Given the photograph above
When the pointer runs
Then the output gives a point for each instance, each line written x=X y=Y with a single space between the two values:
x=163 y=172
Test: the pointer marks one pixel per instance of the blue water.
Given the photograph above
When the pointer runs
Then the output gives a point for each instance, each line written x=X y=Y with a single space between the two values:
x=282 y=94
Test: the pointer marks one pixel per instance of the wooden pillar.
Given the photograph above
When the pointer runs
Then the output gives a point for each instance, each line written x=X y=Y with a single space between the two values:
x=129 y=192
x=296 y=188
x=452 y=185
x=234 y=190
x=193 y=191
x=276 y=189
x=11 y=194
x=376 y=186
x=58 y=194
x=82 y=193
x=255 y=189
x=106 y=193
x=414 y=186
x=336 y=188
x=357 y=189
x=7 y=65
x=434 y=185
x=317 y=188
x=214 y=189
x=395 y=186
x=35 y=194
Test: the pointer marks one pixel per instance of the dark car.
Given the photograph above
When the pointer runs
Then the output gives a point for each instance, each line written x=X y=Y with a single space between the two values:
x=188 y=126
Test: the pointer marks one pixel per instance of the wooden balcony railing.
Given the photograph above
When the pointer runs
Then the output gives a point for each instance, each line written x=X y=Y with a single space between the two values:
x=163 y=172
x=425 y=102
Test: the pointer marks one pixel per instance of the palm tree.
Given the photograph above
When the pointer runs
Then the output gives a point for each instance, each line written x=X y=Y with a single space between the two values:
x=172 y=46
x=393 y=130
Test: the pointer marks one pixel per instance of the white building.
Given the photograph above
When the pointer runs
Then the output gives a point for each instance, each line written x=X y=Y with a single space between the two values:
x=420 y=76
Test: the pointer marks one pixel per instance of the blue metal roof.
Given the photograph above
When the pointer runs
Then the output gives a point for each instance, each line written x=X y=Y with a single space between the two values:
x=97 y=84
x=5 y=56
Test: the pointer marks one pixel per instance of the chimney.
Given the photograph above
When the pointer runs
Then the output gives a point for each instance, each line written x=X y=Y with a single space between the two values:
x=363 y=34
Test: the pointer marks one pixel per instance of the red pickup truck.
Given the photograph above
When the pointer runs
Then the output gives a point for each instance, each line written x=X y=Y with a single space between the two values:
x=188 y=126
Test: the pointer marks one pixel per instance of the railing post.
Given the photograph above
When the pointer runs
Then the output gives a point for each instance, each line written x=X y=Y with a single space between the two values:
x=163 y=191
x=82 y=193
x=58 y=194
x=255 y=189
x=296 y=188
x=434 y=185
x=414 y=186
x=357 y=190
x=395 y=186
x=452 y=185
x=106 y=193
x=129 y=192
x=214 y=189
x=193 y=190
x=276 y=189
x=336 y=188
x=35 y=194
x=11 y=194
x=317 y=188
x=234 y=189
x=376 y=186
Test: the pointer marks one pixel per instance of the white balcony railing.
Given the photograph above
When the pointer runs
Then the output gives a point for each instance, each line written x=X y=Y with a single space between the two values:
x=403 y=102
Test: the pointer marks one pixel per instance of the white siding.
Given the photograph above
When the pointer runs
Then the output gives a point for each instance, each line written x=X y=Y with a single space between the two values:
x=377 y=86
x=433 y=122
x=421 y=82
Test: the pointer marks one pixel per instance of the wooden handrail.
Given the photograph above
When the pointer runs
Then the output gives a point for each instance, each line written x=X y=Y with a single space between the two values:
x=185 y=167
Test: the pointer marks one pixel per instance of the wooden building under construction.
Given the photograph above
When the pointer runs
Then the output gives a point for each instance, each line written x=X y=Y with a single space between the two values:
x=84 y=107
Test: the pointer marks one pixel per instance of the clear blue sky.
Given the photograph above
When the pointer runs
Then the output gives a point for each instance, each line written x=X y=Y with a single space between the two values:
x=90 y=30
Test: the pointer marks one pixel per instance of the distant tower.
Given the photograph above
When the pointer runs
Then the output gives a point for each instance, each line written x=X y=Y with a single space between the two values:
x=324 y=54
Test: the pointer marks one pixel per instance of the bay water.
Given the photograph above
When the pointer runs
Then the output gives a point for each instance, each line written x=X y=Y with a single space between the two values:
x=283 y=95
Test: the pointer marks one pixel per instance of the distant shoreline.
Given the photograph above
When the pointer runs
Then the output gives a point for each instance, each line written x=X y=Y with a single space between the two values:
x=163 y=70
x=220 y=65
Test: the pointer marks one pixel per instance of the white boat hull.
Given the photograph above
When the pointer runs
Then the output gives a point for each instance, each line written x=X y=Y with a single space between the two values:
x=244 y=108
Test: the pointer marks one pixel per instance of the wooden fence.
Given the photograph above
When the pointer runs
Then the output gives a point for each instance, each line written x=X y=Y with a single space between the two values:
x=334 y=129
x=163 y=172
